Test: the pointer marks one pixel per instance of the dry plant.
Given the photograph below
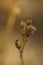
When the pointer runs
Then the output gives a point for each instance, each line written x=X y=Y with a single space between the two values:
x=26 y=30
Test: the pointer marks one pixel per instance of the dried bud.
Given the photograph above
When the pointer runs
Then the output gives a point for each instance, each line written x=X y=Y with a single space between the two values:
x=22 y=27
x=33 y=28
x=29 y=22
x=22 y=24
x=28 y=30
x=17 y=44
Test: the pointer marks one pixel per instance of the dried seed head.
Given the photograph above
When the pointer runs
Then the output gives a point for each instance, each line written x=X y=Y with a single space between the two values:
x=26 y=28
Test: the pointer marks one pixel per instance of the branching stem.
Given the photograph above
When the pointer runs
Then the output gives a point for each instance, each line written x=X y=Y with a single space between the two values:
x=21 y=50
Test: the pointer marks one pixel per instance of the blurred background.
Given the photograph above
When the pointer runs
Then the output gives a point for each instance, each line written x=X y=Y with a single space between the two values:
x=12 y=12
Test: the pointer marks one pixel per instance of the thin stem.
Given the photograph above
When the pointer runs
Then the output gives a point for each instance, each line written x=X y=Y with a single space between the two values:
x=21 y=56
x=21 y=50
x=24 y=42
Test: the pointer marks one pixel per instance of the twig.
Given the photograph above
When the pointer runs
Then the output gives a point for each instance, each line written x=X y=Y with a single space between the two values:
x=21 y=50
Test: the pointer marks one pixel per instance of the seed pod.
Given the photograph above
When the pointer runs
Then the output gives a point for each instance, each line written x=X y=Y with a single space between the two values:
x=33 y=29
x=17 y=44
x=22 y=24
x=28 y=30
x=29 y=22
x=22 y=27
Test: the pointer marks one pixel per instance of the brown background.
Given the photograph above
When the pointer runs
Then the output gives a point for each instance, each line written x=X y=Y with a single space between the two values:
x=33 y=52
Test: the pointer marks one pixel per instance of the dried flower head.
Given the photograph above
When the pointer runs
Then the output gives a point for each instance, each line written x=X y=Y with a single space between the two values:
x=27 y=28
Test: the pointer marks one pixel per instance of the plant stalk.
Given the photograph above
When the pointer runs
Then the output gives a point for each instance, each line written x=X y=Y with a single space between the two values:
x=21 y=56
